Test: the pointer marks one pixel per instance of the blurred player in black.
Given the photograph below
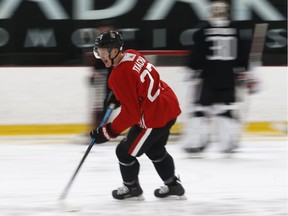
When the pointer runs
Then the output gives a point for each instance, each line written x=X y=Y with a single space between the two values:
x=217 y=56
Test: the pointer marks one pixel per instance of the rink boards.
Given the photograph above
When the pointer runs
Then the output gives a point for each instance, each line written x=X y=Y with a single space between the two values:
x=58 y=100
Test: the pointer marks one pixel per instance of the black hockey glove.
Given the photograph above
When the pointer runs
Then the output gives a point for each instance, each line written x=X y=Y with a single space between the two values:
x=103 y=134
x=111 y=99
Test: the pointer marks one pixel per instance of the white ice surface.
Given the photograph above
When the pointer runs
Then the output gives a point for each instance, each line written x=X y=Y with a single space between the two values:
x=33 y=174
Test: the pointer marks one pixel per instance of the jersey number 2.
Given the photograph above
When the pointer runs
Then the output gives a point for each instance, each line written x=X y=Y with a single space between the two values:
x=143 y=75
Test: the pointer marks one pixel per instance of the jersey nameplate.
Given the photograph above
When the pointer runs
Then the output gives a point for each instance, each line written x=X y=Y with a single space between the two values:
x=139 y=63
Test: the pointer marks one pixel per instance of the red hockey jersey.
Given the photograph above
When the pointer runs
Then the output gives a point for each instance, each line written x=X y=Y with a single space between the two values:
x=145 y=99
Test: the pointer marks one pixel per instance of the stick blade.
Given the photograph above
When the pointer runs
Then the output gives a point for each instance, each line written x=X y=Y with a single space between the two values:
x=66 y=207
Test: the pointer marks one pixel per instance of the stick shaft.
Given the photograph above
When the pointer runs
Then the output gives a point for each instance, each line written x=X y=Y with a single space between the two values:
x=68 y=186
x=258 y=43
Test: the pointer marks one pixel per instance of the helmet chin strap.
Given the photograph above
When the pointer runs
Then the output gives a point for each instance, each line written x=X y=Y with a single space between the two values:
x=112 y=59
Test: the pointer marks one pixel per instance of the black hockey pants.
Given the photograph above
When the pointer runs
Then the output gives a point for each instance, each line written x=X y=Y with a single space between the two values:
x=150 y=141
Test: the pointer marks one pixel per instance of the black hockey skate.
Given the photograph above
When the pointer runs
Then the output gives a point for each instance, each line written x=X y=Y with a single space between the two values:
x=174 y=190
x=128 y=192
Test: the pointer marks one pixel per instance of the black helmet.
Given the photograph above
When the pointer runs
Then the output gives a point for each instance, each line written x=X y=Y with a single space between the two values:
x=108 y=39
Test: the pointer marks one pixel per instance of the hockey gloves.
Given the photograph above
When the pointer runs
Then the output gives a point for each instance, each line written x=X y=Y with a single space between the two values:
x=103 y=134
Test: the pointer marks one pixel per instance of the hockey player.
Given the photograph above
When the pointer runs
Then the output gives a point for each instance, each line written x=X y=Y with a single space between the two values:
x=217 y=55
x=149 y=108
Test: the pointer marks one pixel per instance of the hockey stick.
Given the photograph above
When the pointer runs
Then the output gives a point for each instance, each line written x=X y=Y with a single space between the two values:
x=258 y=43
x=257 y=46
x=255 y=60
x=106 y=117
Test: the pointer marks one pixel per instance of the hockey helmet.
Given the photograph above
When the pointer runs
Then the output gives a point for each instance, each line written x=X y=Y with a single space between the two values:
x=219 y=9
x=108 y=39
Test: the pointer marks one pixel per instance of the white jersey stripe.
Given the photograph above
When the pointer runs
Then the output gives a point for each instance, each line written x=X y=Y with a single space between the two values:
x=141 y=142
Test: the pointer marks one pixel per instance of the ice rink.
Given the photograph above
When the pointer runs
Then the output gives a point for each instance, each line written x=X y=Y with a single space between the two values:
x=34 y=171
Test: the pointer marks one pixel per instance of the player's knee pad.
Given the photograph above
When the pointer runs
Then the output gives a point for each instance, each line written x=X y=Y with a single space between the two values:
x=156 y=155
x=122 y=154
x=198 y=131
x=228 y=131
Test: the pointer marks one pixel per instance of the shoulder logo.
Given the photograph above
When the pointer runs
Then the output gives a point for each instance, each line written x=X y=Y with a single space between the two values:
x=128 y=57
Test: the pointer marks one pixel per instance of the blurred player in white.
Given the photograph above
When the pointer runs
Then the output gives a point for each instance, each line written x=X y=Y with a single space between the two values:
x=218 y=58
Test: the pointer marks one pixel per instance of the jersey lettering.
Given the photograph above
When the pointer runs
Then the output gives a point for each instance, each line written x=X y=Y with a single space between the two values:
x=224 y=48
x=139 y=63
x=143 y=76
